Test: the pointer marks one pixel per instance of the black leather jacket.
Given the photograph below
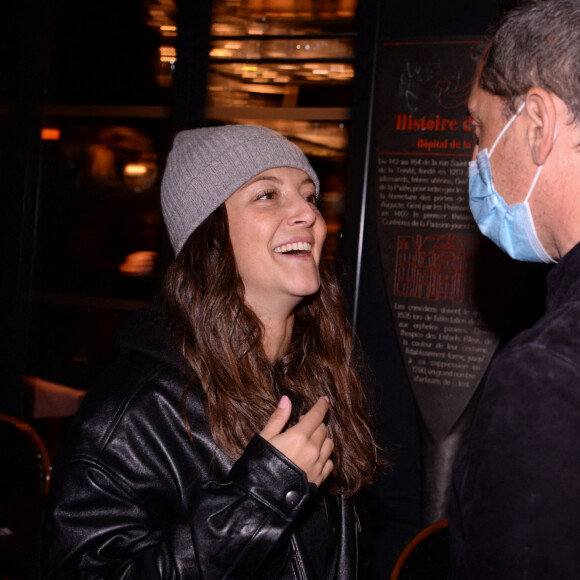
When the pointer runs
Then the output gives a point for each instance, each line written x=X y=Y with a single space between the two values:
x=133 y=497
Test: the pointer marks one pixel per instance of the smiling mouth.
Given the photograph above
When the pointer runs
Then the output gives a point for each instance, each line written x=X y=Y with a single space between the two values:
x=295 y=249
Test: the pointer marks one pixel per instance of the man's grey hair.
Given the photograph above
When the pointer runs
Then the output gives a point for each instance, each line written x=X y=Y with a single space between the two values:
x=535 y=43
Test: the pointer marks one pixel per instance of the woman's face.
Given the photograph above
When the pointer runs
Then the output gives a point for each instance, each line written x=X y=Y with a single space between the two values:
x=277 y=234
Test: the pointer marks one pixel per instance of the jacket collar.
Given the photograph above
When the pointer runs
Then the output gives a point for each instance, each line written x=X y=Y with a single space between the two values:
x=147 y=331
x=563 y=281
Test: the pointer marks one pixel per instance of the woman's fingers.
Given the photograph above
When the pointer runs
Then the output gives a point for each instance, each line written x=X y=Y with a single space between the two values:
x=319 y=436
x=315 y=417
x=306 y=444
x=324 y=464
x=326 y=449
x=278 y=419
x=327 y=470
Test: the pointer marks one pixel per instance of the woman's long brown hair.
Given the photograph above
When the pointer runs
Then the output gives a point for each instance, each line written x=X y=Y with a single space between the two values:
x=221 y=338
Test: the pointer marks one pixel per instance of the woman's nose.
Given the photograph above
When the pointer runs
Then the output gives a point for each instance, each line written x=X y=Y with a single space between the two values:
x=303 y=211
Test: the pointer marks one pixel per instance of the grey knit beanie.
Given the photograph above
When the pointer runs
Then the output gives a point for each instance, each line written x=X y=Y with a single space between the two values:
x=207 y=165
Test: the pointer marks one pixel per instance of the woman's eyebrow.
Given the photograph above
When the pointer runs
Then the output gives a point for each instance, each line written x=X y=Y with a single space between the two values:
x=273 y=178
x=261 y=178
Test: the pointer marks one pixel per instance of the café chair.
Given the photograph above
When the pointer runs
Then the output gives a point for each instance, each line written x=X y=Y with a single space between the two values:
x=51 y=399
x=426 y=556
x=24 y=481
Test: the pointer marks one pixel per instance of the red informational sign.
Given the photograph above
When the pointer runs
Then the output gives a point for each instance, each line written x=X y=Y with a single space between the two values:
x=428 y=239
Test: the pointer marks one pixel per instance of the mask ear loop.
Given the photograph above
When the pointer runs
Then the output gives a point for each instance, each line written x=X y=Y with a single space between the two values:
x=541 y=167
x=507 y=126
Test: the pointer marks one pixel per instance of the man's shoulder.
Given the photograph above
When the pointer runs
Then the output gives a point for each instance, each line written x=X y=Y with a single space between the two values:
x=556 y=334
x=539 y=366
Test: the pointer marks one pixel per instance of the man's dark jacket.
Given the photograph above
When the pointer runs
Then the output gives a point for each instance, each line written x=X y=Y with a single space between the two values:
x=515 y=508
x=134 y=497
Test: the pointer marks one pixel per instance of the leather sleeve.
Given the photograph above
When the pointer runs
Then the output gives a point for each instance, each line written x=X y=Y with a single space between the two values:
x=237 y=525
x=95 y=527
x=101 y=527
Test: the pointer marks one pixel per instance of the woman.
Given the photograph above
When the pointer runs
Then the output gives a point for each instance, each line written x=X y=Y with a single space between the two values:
x=229 y=437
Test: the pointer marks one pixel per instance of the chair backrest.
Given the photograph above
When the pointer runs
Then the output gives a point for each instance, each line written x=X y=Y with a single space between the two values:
x=25 y=465
x=426 y=556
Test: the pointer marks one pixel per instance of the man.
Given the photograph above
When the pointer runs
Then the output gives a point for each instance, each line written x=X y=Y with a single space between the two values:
x=515 y=506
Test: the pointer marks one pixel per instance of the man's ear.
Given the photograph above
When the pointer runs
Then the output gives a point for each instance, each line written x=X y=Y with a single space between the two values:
x=541 y=131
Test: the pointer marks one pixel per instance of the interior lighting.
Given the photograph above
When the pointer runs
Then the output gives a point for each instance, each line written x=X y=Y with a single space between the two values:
x=255 y=30
x=168 y=50
x=222 y=29
x=135 y=169
x=168 y=54
x=220 y=53
x=50 y=134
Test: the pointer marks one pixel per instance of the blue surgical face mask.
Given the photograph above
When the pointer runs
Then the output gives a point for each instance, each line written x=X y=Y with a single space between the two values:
x=511 y=227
